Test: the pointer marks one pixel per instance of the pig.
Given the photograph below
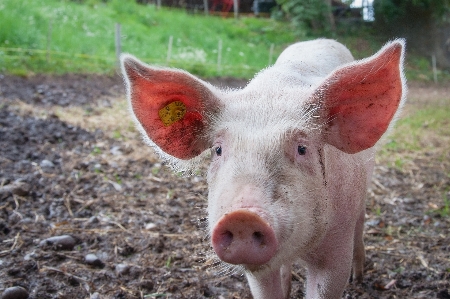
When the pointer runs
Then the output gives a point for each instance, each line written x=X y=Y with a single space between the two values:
x=291 y=155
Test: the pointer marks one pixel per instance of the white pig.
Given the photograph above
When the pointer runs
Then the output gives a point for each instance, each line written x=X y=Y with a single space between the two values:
x=292 y=156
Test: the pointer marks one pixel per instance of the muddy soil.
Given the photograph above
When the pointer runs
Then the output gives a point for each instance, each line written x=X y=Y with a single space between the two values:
x=130 y=228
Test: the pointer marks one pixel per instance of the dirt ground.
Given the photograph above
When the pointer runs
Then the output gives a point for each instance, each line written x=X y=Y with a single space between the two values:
x=72 y=165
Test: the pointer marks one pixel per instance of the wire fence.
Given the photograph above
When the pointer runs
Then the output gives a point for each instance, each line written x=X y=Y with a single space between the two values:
x=47 y=60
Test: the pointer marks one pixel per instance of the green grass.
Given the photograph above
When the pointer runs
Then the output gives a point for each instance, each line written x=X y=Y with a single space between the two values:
x=411 y=129
x=445 y=210
x=424 y=129
x=85 y=35
x=60 y=36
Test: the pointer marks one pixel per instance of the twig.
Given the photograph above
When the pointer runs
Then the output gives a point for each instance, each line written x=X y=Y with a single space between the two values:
x=65 y=273
x=390 y=284
x=16 y=201
x=87 y=204
x=425 y=263
x=119 y=225
x=15 y=241
x=155 y=179
x=5 y=252
x=378 y=184
x=67 y=204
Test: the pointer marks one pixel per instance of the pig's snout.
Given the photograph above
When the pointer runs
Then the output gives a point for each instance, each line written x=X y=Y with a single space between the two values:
x=243 y=237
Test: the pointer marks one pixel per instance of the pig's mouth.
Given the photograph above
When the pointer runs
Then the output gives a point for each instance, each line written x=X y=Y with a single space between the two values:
x=242 y=237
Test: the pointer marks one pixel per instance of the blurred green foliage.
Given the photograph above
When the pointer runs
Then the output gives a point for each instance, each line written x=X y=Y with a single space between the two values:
x=84 y=32
x=59 y=36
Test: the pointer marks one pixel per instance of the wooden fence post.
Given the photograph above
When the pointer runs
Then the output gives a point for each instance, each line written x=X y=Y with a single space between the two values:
x=433 y=63
x=205 y=6
x=49 y=39
x=169 y=49
x=219 y=57
x=118 y=44
x=271 y=54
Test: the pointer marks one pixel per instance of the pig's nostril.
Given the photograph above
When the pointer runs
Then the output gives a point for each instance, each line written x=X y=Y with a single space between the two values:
x=258 y=237
x=227 y=238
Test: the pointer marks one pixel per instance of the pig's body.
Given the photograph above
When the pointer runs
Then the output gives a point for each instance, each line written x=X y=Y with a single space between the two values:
x=292 y=155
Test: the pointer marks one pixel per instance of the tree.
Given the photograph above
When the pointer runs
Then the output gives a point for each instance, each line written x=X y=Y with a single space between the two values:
x=425 y=24
x=310 y=14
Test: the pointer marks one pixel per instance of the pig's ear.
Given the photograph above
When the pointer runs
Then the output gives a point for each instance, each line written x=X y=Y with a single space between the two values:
x=359 y=100
x=170 y=106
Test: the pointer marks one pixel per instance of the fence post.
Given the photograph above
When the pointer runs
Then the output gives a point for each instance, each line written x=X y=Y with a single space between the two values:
x=236 y=8
x=433 y=63
x=271 y=54
x=158 y=4
x=169 y=49
x=219 y=57
x=118 y=45
x=49 y=39
x=205 y=6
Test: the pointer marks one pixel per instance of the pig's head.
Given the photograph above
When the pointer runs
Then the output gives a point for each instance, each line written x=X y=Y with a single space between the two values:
x=270 y=178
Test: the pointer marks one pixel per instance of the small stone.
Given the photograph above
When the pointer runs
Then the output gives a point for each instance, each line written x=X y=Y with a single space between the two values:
x=29 y=256
x=21 y=188
x=373 y=222
x=95 y=296
x=122 y=269
x=15 y=293
x=150 y=226
x=115 y=150
x=93 y=219
x=408 y=200
x=46 y=164
x=64 y=242
x=92 y=260
x=18 y=188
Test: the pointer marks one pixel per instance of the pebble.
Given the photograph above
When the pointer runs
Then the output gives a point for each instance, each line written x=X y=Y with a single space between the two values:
x=46 y=164
x=29 y=256
x=115 y=150
x=92 y=260
x=373 y=222
x=95 y=296
x=18 y=188
x=93 y=219
x=64 y=242
x=122 y=269
x=15 y=293
x=150 y=226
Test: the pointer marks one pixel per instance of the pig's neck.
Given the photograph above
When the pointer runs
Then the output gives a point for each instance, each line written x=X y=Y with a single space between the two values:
x=271 y=285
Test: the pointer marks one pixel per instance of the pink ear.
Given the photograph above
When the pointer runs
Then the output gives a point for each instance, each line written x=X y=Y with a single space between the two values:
x=170 y=106
x=361 y=99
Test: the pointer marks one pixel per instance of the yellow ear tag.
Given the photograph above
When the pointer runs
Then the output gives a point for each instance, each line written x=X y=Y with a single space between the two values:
x=172 y=113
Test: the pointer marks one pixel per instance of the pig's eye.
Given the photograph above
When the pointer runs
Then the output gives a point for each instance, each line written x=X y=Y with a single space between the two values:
x=218 y=151
x=301 y=149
